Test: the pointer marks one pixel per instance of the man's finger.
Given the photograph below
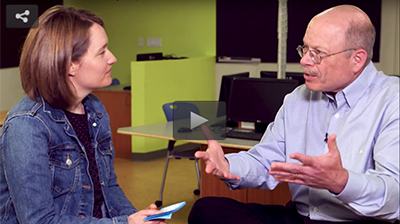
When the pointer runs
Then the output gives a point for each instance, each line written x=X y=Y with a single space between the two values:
x=210 y=167
x=230 y=176
x=332 y=146
x=201 y=155
x=305 y=159
x=210 y=139
x=277 y=168
x=207 y=133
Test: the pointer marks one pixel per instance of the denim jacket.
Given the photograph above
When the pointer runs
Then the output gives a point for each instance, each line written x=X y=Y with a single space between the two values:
x=44 y=170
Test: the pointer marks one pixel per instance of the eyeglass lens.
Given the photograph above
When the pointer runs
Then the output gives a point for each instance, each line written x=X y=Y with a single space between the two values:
x=301 y=50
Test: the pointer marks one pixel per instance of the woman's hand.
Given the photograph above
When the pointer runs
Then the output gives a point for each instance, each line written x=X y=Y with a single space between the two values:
x=138 y=217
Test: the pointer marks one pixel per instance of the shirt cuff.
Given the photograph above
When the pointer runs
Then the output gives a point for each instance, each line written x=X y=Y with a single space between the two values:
x=233 y=159
x=352 y=189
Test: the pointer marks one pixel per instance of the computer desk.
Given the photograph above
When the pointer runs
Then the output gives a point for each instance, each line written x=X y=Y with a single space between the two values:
x=210 y=185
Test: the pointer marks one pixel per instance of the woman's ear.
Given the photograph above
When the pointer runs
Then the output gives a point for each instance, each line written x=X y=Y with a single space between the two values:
x=359 y=58
x=73 y=69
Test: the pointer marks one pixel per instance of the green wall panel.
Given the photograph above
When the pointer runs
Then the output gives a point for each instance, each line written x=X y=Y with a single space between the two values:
x=186 y=28
x=155 y=83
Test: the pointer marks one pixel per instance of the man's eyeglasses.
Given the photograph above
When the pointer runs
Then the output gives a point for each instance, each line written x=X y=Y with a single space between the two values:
x=315 y=56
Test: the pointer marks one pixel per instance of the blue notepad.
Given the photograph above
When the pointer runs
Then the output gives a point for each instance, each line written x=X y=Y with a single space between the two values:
x=167 y=212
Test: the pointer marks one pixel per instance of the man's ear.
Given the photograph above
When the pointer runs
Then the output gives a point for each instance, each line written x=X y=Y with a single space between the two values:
x=73 y=68
x=359 y=58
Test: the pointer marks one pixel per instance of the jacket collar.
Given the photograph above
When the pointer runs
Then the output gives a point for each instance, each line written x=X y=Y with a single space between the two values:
x=91 y=103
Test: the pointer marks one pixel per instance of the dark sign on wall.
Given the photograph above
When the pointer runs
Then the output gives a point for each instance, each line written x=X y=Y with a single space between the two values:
x=15 y=17
x=248 y=28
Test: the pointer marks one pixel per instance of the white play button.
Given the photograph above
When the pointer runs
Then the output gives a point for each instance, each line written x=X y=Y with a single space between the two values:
x=196 y=120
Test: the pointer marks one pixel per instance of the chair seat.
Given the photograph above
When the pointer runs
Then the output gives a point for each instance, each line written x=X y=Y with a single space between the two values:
x=186 y=150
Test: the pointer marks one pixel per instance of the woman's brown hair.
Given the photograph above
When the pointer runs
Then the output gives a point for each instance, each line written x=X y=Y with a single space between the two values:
x=62 y=37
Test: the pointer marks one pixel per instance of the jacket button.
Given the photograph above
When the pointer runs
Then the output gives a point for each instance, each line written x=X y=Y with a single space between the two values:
x=86 y=186
x=94 y=124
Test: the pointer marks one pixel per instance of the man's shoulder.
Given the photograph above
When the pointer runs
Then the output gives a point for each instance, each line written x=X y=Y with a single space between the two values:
x=388 y=84
x=302 y=93
x=393 y=81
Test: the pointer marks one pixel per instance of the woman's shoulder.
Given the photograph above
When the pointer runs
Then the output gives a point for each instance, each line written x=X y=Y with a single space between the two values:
x=25 y=114
x=25 y=106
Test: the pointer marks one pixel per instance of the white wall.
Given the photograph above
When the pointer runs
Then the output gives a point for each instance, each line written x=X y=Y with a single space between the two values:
x=10 y=88
x=389 y=50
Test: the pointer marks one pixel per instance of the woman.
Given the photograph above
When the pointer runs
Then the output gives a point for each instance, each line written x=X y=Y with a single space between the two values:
x=56 y=154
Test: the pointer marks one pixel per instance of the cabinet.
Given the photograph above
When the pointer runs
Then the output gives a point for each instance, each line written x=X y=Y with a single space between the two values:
x=3 y=115
x=118 y=105
x=212 y=186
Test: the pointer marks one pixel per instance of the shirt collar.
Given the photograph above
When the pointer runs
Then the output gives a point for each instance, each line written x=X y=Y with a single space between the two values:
x=358 y=87
x=353 y=92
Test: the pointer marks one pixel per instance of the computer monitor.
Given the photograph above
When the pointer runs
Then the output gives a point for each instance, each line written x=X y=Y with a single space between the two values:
x=299 y=76
x=225 y=88
x=269 y=74
x=257 y=99
x=226 y=81
x=224 y=91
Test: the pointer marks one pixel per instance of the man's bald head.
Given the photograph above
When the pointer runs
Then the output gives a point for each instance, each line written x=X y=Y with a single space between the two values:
x=355 y=23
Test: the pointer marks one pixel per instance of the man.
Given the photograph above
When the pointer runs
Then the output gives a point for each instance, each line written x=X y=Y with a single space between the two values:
x=350 y=177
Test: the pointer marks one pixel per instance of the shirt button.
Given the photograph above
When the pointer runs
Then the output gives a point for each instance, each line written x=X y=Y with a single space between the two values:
x=315 y=209
x=86 y=186
x=94 y=124
x=337 y=115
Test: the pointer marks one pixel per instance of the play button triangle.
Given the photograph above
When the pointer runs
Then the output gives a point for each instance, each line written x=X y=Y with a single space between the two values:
x=196 y=120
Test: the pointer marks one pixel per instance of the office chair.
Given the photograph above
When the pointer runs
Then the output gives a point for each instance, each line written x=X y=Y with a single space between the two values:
x=114 y=82
x=186 y=150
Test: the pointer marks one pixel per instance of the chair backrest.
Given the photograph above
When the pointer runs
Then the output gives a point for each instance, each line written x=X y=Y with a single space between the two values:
x=170 y=107
x=114 y=82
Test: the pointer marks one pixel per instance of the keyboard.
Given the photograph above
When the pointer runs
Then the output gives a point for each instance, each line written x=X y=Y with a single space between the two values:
x=248 y=135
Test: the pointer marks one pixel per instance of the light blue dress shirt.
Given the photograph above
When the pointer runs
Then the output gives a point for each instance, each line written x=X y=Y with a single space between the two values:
x=365 y=118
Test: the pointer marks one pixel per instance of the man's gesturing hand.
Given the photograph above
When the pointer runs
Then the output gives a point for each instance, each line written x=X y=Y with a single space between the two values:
x=325 y=171
x=214 y=158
